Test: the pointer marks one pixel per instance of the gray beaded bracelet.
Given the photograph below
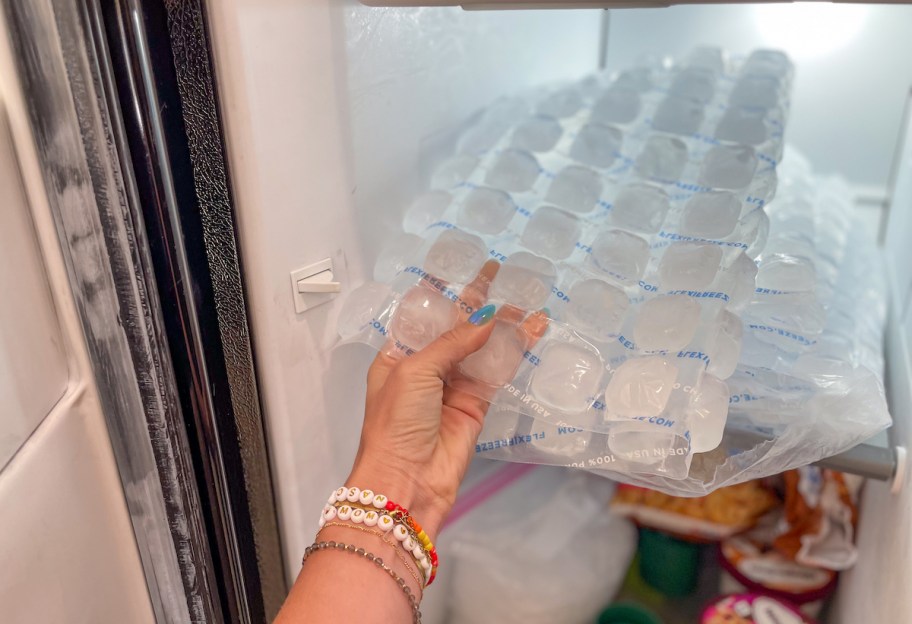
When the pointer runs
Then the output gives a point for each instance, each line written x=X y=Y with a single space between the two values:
x=351 y=548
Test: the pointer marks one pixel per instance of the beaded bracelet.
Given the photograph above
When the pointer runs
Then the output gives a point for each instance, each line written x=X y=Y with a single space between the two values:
x=383 y=521
x=351 y=548
x=386 y=541
x=367 y=499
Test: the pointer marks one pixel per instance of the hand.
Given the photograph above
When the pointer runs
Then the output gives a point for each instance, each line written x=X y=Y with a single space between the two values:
x=418 y=432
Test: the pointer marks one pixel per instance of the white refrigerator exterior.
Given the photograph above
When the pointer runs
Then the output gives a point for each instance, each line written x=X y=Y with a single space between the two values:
x=66 y=542
x=334 y=115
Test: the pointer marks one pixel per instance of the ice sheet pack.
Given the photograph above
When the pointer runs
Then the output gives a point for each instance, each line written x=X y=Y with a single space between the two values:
x=621 y=224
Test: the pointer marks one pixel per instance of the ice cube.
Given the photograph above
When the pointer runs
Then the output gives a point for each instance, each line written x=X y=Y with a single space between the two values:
x=740 y=278
x=708 y=58
x=420 y=317
x=507 y=110
x=689 y=266
x=743 y=124
x=538 y=134
x=641 y=445
x=486 y=210
x=575 y=188
x=728 y=167
x=524 y=280
x=596 y=145
x=453 y=172
x=768 y=63
x=496 y=362
x=513 y=170
x=597 y=308
x=711 y=215
x=567 y=378
x=695 y=83
x=363 y=306
x=617 y=105
x=562 y=103
x=707 y=414
x=787 y=273
x=638 y=78
x=666 y=323
x=399 y=253
x=754 y=228
x=456 y=256
x=620 y=254
x=759 y=91
x=663 y=158
x=640 y=207
x=641 y=387
x=727 y=348
x=425 y=211
x=551 y=232
x=678 y=115
x=481 y=137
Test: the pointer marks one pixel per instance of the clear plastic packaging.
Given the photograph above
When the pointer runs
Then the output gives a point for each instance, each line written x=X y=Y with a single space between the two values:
x=619 y=225
x=545 y=533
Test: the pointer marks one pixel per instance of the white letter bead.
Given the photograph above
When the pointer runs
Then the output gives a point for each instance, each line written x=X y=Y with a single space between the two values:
x=408 y=543
x=400 y=533
x=370 y=518
x=417 y=552
x=366 y=497
x=385 y=522
x=344 y=512
x=380 y=501
x=357 y=516
x=322 y=522
x=329 y=513
x=340 y=494
x=353 y=494
x=425 y=564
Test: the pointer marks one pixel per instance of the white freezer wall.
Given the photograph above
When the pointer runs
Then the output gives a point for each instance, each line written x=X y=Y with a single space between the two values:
x=877 y=588
x=854 y=69
x=333 y=111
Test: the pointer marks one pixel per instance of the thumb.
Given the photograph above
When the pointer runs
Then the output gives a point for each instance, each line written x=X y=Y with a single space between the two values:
x=439 y=357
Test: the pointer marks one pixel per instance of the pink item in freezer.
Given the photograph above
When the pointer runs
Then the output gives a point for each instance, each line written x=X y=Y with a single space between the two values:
x=752 y=609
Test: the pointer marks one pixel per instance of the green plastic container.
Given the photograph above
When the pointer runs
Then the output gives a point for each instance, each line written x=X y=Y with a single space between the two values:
x=628 y=613
x=667 y=564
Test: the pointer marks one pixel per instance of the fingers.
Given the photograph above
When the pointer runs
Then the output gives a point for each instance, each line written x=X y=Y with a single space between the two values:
x=439 y=357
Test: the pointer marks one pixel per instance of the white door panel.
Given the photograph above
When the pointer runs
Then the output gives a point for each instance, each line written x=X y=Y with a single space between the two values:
x=33 y=369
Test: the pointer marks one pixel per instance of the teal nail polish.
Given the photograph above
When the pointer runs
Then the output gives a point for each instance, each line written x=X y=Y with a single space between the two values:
x=482 y=315
x=546 y=312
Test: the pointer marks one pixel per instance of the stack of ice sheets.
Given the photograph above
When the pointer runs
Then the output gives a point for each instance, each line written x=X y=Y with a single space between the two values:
x=619 y=225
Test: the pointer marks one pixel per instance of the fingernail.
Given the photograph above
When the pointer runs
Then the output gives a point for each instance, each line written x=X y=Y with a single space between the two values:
x=482 y=315
x=546 y=312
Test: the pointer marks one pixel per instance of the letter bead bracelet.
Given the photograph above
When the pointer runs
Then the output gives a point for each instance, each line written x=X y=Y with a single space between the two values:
x=376 y=510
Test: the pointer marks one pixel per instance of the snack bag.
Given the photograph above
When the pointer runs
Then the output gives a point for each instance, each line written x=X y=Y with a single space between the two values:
x=716 y=516
x=821 y=512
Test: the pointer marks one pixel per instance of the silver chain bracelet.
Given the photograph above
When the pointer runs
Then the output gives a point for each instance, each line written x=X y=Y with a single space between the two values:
x=351 y=548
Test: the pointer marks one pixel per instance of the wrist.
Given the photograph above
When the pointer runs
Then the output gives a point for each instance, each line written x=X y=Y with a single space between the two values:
x=377 y=545
x=404 y=489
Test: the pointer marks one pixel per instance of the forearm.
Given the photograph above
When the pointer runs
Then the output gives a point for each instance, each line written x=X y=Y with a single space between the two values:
x=333 y=583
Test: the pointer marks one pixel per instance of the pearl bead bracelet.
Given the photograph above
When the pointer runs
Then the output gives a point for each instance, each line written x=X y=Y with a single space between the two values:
x=364 y=506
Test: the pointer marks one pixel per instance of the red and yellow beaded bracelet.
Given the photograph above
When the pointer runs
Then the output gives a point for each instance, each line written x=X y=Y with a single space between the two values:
x=366 y=500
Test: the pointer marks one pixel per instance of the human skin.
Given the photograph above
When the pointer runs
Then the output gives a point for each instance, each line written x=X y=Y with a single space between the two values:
x=417 y=439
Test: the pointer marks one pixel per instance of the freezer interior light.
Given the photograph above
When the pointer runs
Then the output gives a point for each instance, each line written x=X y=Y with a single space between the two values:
x=809 y=29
